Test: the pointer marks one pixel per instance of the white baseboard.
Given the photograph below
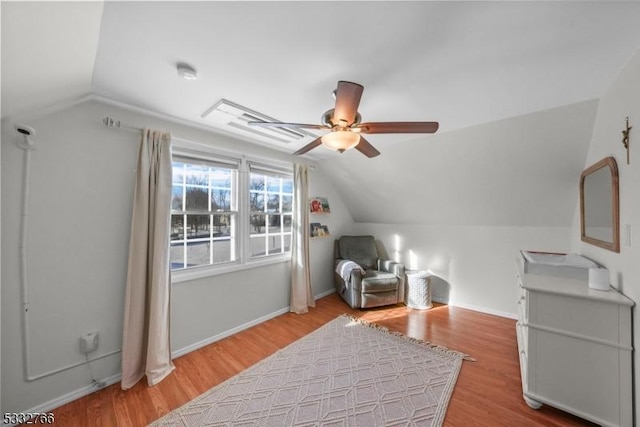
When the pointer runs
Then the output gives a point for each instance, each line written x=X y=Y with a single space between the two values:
x=84 y=391
x=465 y=306
x=205 y=342
x=239 y=328
x=485 y=310
x=70 y=397
x=324 y=294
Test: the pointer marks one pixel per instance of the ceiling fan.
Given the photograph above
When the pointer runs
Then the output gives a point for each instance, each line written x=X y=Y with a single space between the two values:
x=346 y=127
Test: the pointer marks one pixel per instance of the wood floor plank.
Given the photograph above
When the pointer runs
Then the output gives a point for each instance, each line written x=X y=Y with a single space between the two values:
x=488 y=392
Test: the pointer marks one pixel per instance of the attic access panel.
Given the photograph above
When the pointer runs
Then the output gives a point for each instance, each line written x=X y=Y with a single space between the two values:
x=234 y=118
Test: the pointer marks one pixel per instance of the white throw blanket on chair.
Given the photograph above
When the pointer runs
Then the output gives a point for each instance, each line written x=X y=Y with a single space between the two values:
x=345 y=267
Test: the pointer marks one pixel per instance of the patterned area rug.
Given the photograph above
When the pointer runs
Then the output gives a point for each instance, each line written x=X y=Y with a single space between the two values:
x=346 y=373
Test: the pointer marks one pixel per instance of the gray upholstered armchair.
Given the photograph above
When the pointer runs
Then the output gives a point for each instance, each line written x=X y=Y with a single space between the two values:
x=362 y=278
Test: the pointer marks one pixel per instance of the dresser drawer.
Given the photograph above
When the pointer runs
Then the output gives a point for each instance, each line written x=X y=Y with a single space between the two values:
x=578 y=316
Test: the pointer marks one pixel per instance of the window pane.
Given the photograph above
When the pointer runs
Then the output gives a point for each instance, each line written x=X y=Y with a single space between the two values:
x=178 y=172
x=256 y=201
x=176 y=254
x=274 y=224
x=287 y=223
x=221 y=250
x=177 y=227
x=257 y=224
x=275 y=244
x=287 y=204
x=273 y=204
x=197 y=174
x=198 y=226
x=176 y=197
x=202 y=190
x=221 y=178
x=287 y=186
x=220 y=200
x=196 y=199
x=256 y=182
x=273 y=184
x=198 y=253
x=221 y=226
x=258 y=246
x=274 y=196
x=287 y=242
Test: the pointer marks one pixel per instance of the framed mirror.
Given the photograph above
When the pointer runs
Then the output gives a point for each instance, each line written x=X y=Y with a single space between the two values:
x=599 y=205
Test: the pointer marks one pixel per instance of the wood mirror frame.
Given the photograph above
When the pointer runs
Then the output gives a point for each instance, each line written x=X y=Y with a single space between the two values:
x=604 y=199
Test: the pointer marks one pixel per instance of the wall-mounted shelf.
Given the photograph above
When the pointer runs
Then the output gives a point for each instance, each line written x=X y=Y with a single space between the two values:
x=319 y=205
x=318 y=230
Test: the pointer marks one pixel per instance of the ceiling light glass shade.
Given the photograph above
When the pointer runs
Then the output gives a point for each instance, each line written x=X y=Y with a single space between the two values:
x=340 y=140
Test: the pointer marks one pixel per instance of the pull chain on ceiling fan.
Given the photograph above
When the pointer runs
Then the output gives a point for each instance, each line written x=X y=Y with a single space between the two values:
x=345 y=125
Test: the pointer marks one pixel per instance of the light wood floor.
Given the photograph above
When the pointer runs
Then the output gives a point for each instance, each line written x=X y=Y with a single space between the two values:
x=487 y=393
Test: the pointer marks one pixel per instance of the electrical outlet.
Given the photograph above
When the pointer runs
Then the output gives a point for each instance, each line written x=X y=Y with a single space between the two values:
x=89 y=342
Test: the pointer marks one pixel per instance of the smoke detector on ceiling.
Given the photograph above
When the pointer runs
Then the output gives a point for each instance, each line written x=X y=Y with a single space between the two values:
x=186 y=71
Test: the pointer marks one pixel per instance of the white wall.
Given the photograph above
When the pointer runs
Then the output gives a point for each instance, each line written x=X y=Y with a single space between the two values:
x=81 y=188
x=464 y=202
x=513 y=172
x=475 y=266
x=621 y=99
x=339 y=222
x=80 y=206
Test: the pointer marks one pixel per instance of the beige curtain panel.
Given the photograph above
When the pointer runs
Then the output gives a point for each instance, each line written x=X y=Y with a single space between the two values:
x=301 y=293
x=145 y=347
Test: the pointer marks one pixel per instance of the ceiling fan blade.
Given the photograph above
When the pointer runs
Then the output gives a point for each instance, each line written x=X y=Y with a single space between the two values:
x=367 y=149
x=288 y=125
x=348 y=96
x=310 y=146
x=398 y=127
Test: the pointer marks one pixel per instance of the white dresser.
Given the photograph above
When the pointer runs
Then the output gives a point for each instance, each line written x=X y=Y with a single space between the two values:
x=575 y=347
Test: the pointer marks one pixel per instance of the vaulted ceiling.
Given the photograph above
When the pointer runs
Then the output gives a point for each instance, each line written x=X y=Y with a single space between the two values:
x=460 y=63
x=468 y=65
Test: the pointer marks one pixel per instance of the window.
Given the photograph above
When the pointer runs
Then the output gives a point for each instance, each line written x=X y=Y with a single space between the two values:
x=227 y=213
x=270 y=204
x=204 y=213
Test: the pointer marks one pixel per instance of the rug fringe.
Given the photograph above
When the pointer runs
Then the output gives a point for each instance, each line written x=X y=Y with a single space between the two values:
x=436 y=347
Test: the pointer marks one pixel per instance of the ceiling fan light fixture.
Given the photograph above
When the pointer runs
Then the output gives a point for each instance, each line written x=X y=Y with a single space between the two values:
x=340 y=140
x=346 y=125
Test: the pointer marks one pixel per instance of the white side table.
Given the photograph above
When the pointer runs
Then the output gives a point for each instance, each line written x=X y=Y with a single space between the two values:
x=418 y=293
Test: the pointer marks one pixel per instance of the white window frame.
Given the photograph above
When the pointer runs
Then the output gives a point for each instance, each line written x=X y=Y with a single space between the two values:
x=185 y=148
x=232 y=212
x=269 y=171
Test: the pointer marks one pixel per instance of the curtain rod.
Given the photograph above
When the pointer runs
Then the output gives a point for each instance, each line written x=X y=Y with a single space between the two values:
x=111 y=123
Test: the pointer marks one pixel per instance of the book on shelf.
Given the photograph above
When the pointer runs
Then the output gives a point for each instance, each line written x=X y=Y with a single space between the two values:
x=319 y=205
x=319 y=230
